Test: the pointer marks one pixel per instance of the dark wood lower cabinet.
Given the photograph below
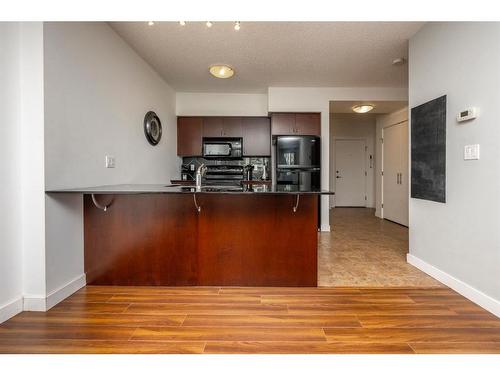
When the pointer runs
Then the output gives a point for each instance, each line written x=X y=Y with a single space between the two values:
x=236 y=240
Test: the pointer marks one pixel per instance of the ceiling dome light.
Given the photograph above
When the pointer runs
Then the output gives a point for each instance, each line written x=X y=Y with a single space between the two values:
x=209 y=24
x=221 y=71
x=151 y=23
x=182 y=23
x=363 y=108
x=237 y=25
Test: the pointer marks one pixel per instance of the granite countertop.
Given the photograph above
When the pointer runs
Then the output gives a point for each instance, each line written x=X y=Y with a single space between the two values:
x=179 y=189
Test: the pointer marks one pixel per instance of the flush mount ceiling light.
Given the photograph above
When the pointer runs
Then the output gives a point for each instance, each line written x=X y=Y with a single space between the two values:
x=221 y=71
x=363 y=108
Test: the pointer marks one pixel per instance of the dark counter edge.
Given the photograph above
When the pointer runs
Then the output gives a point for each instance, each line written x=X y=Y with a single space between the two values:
x=167 y=189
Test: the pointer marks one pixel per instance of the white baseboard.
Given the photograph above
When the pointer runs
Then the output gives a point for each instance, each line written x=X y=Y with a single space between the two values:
x=476 y=296
x=11 y=309
x=325 y=227
x=44 y=303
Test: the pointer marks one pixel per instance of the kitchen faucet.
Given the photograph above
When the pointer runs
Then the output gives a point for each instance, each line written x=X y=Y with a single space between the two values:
x=199 y=174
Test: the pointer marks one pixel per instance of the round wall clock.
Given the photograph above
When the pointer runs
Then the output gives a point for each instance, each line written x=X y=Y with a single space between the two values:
x=152 y=128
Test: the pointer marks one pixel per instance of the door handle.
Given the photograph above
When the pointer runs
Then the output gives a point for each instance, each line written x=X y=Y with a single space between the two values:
x=397 y=178
x=338 y=176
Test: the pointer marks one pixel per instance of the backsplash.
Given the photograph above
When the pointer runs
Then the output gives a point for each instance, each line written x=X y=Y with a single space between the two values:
x=190 y=164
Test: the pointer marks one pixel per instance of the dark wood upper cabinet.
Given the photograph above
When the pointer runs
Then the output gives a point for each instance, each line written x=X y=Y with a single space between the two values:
x=282 y=123
x=296 y=124
x=212 y=126
x=308 y=123
x=222 y=127
x=232 y=127
x=256 y=136
x=189 y=134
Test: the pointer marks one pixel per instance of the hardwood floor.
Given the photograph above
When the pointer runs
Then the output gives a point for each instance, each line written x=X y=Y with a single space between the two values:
x=255 y=320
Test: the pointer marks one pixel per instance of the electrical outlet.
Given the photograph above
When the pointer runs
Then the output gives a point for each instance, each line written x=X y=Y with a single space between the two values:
x=110 y=161
x=471 y=152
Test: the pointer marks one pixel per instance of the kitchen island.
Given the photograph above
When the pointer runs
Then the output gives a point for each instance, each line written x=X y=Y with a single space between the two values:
x=159 y=235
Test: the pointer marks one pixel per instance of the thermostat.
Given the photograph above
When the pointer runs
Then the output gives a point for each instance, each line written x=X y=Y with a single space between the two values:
x=468 y=114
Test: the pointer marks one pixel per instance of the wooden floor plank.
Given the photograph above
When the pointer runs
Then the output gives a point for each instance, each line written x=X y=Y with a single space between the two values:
x=408 y=335
x=205 y=309
x=338 y=300
x=290 y=321
x=90 y=307
x=229 y=334
x=266 y=347
x=185 y=298
x=289 y=291
x=456 y=347
x=429 y=321
x=57 y=346
x=11 y=330
x=145 y=290
x=370 y=309
x=83 y=318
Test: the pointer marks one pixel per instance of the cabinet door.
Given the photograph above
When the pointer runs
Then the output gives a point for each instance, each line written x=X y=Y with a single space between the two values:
x=282 y=123
x=308 y=124
x=189 y=130
x=232 y=127
x=212 y=126
x=256 y=136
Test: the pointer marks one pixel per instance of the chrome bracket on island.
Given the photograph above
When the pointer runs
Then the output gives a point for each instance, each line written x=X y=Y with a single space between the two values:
x=296 y=203
x=100 y=206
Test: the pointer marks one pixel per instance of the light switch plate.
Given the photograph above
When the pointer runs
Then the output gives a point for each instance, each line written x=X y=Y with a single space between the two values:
x=110 y=161
x=471 y=152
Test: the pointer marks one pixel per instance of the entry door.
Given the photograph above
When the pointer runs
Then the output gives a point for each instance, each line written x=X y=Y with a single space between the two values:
x=350 y=179
x=395 y=167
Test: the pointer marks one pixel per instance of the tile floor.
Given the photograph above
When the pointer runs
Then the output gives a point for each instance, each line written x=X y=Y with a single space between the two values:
x=365 y=251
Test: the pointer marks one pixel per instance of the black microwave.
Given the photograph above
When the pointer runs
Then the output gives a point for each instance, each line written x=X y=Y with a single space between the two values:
x=222 y=148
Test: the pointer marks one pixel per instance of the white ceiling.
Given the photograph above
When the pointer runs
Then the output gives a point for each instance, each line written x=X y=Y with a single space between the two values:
x=345 y=106
x=264 y=54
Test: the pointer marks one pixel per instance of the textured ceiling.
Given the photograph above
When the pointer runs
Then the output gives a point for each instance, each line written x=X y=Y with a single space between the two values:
x=263 y=54
x=345 y=106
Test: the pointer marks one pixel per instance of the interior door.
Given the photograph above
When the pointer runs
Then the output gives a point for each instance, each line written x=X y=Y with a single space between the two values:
x=395 y=167
x=350 y=179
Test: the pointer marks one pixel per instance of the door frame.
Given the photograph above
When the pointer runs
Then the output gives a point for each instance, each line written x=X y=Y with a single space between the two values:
x=334 y=164
x=382 y=164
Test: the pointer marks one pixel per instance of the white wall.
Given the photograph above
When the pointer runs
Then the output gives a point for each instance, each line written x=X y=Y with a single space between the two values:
x=10 y=163
x=97 y=91
x=221 y=104
x=32 y=166
x=317 y=99
x=383 y=121
x=354 y=126
x=461 y=237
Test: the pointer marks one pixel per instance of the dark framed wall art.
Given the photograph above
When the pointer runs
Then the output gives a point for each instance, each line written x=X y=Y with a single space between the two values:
x=428 y=150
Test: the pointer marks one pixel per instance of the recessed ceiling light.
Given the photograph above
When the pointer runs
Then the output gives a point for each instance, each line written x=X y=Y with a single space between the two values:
x=209 y=24
x=151 y=23
x=221 y=71
x=183 y=23
x=363 y=108
x=237 y=25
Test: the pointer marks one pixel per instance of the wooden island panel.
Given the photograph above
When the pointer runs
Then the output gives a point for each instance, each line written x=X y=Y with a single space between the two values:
x=236 y=240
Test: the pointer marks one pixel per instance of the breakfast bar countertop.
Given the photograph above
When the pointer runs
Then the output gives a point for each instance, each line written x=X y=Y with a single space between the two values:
x=183 y=189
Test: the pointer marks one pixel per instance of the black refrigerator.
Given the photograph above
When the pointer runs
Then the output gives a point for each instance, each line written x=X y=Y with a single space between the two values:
x=298 y=162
